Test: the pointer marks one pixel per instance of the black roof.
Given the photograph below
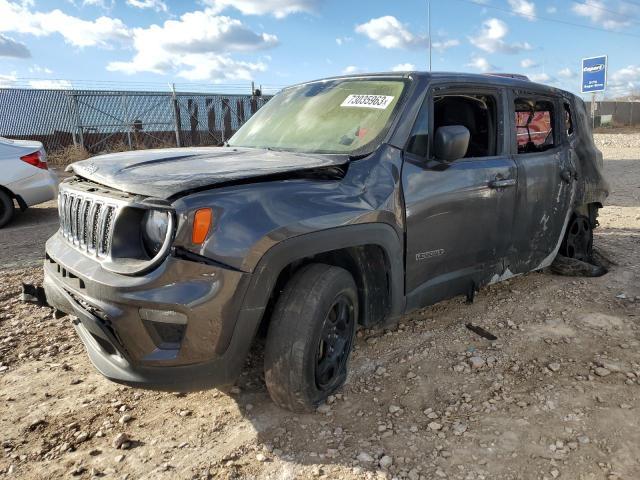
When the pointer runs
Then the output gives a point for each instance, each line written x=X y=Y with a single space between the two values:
x=507 y=80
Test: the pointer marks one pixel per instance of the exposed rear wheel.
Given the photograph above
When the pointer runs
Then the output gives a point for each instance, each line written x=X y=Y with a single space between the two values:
x=6 y=209
x=310 y=337
x=578 y=240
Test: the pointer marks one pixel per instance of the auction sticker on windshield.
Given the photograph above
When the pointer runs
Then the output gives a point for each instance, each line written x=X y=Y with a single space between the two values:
x=368 y=101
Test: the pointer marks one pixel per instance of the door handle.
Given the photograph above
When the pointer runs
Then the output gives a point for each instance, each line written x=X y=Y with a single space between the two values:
x=502 y=183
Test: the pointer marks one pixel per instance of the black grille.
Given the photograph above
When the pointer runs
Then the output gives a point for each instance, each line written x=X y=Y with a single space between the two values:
x=87 y=222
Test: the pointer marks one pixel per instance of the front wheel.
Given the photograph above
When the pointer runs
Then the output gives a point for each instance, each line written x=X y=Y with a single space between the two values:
x=310 y=337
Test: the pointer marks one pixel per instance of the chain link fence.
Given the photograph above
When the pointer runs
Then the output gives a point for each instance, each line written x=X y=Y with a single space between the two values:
x=103 y=120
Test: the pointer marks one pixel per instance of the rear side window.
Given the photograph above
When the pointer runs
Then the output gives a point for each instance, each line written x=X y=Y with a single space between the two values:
x=534 y=125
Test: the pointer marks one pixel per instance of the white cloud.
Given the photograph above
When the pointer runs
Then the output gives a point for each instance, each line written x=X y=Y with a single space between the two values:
x=528 y=63
x=491 y=38
x=40 y=70
x=481 y=64
x=403 y=67
x=567 y=73
x=277 y=8
x=342 y=40
x=157 y=5
x=601 y=13
x=350 y=69
x=540 y=78
x=103 y=31
x=442 y=45
x=218 y=68
x=106 y=4
x=626 y=80
x=196 y=47
x=552 y=10
x=12 y=48
x=7 y=80
x=51 y=84
x=389 y=32
x=523 y=8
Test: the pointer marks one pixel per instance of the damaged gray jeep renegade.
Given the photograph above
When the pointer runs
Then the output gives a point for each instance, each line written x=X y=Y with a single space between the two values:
x=342 y=202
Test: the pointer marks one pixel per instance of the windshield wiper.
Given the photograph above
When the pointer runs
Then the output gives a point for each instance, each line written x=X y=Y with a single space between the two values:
x=359 y=156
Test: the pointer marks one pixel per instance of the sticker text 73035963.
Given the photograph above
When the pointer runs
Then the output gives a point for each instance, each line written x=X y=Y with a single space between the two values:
x=368 y=101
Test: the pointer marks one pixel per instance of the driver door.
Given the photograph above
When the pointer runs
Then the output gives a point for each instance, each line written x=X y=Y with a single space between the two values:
x=459 y=215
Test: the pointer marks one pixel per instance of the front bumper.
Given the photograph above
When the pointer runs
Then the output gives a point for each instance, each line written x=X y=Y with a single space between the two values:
x=206 y=348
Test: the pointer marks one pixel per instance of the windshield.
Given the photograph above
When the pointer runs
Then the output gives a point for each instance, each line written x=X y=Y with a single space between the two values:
x=347 y=116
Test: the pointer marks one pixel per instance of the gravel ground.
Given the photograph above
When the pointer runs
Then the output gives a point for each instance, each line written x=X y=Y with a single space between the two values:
x=556 y=396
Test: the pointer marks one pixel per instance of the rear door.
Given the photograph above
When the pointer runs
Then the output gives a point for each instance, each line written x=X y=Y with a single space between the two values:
x=546 y=179
x=458 y=214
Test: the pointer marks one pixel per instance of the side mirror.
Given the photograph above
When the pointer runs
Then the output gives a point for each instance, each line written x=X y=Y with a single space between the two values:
x=451 y=143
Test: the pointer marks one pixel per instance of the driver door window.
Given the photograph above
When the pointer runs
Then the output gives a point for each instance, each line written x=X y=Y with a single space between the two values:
x=476 y=112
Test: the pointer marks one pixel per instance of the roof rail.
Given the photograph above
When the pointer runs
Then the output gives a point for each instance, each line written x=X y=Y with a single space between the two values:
x=517 y=76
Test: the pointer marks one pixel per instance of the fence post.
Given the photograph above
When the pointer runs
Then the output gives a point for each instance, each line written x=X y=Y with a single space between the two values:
x=240 y=112
x=176 y=114
x=127 y=122
x=74 y=134
x=76 y=114
x=192 y=106
x=226 y=127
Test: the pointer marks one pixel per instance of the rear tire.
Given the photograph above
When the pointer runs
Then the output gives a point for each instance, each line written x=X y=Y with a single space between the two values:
x=310 y=337
x=6 y=209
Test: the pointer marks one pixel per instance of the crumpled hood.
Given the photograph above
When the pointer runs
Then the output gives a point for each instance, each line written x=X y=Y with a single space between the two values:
x=166 y=172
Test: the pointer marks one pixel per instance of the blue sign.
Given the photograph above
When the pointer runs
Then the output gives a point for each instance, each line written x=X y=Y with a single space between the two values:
x=594 y=74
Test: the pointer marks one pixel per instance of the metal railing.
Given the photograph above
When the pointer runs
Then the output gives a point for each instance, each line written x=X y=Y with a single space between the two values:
x=98 y=120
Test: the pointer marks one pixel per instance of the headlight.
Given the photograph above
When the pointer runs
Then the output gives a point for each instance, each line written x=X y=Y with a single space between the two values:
x=154 y=231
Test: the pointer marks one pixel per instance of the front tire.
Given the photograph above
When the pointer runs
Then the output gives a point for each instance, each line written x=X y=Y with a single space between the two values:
x=310 y=337
x=6 y=209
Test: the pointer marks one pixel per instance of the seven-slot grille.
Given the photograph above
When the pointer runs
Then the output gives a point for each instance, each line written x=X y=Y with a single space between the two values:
x=87 y=222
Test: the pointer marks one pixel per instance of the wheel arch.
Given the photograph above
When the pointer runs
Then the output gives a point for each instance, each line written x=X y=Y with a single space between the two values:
x=589 y=210
x=372 y=253
x=21 y=203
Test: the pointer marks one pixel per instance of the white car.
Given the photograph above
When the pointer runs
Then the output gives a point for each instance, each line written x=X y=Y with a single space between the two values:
x=25 y=178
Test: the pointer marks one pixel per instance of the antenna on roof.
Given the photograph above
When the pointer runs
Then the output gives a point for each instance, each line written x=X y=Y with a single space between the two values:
x=429 y=21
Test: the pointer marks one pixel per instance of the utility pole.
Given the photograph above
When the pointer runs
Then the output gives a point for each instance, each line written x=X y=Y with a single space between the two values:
x=429 y=20
x=593 y=110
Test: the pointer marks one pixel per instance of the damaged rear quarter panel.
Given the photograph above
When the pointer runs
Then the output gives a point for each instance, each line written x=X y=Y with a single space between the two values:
x=592 y=186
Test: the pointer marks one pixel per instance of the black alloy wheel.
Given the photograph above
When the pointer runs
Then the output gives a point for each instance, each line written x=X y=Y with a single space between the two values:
x=310 y=337
x=578 y=242
x=335 y=344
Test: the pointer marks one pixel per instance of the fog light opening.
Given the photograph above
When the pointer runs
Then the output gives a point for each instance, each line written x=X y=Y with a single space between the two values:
x=165 y=327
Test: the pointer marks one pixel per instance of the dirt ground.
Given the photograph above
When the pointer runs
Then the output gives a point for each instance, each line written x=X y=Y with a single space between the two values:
x=556 y=396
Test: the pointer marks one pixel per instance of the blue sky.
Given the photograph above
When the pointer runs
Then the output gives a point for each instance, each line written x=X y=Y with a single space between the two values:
x=279 y=42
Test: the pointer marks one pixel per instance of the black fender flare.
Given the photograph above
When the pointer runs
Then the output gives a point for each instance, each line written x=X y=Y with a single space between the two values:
x=265 y=275
x=276 y=259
